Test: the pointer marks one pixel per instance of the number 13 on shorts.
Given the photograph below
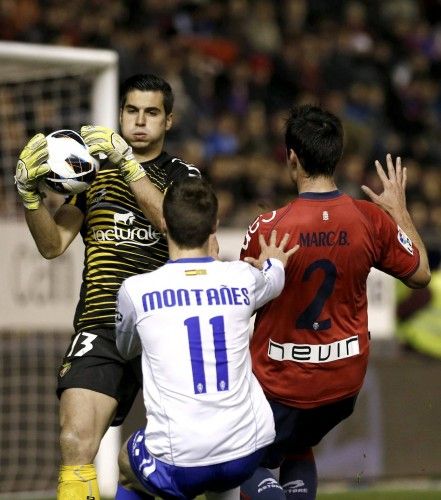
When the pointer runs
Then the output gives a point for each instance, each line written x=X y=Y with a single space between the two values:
x=86 y=343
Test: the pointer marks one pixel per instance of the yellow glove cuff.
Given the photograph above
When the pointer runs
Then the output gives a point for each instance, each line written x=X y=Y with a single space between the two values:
x=132 y=171
x=31 y=199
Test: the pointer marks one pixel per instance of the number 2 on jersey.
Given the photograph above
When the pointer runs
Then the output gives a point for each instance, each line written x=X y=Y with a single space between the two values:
x=309 y=318
x=197 y=356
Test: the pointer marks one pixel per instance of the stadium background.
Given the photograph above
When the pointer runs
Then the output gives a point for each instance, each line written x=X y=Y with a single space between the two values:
x=235 y=66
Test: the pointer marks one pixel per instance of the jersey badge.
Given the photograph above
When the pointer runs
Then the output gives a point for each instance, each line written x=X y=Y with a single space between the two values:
x=99 y=196
x=405 y=241
x=65 y=367
x=195 y=272
x=126 y=219
x=325 y=215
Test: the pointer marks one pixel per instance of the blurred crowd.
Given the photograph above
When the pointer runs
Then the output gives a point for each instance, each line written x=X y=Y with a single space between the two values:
x=236 y=66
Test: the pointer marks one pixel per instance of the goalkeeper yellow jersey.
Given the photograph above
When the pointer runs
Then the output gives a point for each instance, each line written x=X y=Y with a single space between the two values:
x=119 y=241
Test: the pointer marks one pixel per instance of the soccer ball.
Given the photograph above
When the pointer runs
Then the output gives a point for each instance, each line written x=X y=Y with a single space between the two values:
x=72 y=168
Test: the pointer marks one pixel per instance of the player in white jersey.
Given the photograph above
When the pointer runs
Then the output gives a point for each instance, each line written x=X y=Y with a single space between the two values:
x=207 y=417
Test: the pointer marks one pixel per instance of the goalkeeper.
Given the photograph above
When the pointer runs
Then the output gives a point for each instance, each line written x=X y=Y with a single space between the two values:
x=117 y=217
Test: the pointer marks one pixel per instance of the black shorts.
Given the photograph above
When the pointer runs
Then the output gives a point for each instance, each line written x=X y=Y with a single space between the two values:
x=299 y=429
x=93 y=362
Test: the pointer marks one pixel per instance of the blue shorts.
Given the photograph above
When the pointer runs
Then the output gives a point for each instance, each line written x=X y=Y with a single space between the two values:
x=170 y=481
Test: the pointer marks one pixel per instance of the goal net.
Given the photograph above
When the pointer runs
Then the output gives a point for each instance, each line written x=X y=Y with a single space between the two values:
x=42 y=89
x=46 y=88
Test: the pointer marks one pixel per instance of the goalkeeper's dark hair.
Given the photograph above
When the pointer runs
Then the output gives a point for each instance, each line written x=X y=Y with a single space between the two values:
x=145 y=82
x=190 y=212
x=316 y=136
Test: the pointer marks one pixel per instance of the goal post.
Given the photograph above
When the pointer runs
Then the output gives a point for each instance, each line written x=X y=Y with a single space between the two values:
x=22 y=61
x=42 y=88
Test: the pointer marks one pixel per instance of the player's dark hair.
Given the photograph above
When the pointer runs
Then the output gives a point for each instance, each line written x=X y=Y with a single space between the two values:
x=316 y=136
x=190 y=211
x=146 y=82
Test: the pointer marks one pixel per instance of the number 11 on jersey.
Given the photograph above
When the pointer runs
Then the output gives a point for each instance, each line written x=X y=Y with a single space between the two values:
x=197 y=356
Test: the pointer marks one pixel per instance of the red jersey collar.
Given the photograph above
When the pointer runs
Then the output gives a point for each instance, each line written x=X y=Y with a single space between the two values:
x=321 y=196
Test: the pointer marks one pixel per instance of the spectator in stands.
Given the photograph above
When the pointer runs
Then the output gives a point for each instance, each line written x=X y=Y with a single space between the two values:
x=375 y=64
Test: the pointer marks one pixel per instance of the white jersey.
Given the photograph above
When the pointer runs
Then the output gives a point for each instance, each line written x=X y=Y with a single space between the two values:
x=191 y=320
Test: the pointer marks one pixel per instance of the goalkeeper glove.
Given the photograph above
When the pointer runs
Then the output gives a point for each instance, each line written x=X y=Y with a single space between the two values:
x=31 y=168
x=105 y=140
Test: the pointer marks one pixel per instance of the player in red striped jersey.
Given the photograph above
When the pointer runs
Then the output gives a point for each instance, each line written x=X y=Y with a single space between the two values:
x=310 y=345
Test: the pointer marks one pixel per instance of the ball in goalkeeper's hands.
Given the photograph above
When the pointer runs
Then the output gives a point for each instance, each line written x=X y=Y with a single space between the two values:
x=72 y=168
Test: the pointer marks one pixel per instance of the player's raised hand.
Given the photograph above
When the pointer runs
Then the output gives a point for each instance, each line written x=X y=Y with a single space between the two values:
x=31 y=168
x=271 y=250
x=105 y=140
x=393 y=197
